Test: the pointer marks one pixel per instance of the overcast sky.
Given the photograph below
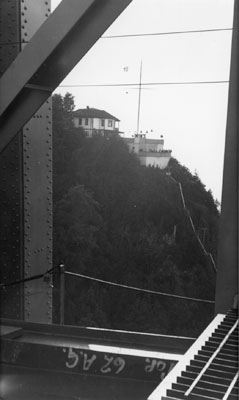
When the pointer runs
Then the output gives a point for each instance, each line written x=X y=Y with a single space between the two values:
x=192 y=117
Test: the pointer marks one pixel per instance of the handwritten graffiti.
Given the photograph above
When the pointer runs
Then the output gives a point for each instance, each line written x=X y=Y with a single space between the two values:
x=111 y=364
x=73 y=358
x=85 y=361
x=153 y=365
x=16 y=350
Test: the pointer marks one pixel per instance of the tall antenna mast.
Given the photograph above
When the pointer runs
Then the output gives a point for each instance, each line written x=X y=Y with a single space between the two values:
x=140 y=87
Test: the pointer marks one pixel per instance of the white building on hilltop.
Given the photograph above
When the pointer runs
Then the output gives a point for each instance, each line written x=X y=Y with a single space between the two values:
x=95 y=121
x=150 y=151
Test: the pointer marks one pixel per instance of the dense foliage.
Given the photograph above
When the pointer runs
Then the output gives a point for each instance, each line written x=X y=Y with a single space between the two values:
x=118 y=221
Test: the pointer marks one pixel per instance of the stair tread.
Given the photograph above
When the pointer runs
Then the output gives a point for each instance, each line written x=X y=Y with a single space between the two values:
x=215 y=365
x=180 y=395
x=223 y=354
x=211 y=371
x=193 y=375
x=216 y=379
x=219 y=360
x=205 y=384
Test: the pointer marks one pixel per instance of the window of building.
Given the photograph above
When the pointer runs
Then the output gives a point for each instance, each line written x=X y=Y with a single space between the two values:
x=102 y=122
x=110 y=123
x=80 y=121
x=86 y=121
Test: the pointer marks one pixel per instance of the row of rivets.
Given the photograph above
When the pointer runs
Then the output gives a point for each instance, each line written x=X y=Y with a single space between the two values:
x=36 y=253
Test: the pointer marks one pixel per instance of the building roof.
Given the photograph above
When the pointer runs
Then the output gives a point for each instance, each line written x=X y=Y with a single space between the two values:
x=147 y=141
x=89 y=112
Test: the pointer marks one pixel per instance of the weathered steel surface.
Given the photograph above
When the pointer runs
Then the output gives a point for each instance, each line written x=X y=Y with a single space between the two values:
x=37 y=167
x=49 y=57
x=152 y=341
x=37 y=176
x=25 y=384
x=85 y=361
x=46 y=361
x=26 y=184
x=11 y=232
x=9 y=33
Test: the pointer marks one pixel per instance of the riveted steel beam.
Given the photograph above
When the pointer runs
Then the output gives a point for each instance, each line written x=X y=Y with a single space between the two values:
x=26 y=183
x=61 y=41
x=11 y=199
x=37 y=185
x=227 y=276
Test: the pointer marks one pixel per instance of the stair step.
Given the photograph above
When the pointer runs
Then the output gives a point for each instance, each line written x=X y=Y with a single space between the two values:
x=175 y=393
x=204 y=356
x=229 y=354
x=211 y=371
x=225 y=356
x=205 y=352
x=226 y=368
x=213 y=379
x=208 y=392
x=233 y=397
x=193 y=396
x=224 y=349
x=222 y=374
x=231 y=318
x=181 y=387
x=213 y=343
x=207 y=384
x=220 y=335
x=232 y=313
x=231 y=348
x=218 y=380
x=223 y=361
x=226 y=325
x=232 y=341
x=223 y=389
x=224 y=330
x=203 y=383
x=218 y=360
x=214 y=364
x=204 y=388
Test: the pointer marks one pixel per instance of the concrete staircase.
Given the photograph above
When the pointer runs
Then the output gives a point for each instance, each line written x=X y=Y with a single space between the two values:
x=209 y=369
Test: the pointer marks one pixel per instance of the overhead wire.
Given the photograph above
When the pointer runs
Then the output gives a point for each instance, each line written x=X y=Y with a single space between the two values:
x=127 y=35
x=155 y=83
x=166 y=33
x=137 y=288
x=145 y=84
x=30 y=278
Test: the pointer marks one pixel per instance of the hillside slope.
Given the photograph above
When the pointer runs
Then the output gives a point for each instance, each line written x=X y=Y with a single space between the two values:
x=118 y=221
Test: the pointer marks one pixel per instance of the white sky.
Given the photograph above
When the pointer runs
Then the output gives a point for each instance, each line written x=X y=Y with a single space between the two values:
x=192 y=118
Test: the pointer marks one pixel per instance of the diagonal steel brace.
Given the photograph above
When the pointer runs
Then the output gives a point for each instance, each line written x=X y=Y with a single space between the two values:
x=61 y=41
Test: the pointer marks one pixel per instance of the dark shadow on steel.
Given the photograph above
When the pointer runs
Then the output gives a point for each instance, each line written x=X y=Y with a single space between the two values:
x=59 y=44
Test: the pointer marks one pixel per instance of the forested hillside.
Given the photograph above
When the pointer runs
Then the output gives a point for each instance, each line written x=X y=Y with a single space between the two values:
x=118 y=221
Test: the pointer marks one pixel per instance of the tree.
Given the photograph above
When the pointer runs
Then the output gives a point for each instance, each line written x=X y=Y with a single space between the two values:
x=121 y=222
x=66 y=139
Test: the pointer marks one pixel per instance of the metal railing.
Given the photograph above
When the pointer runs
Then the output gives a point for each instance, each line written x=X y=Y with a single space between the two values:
x=228 y=392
